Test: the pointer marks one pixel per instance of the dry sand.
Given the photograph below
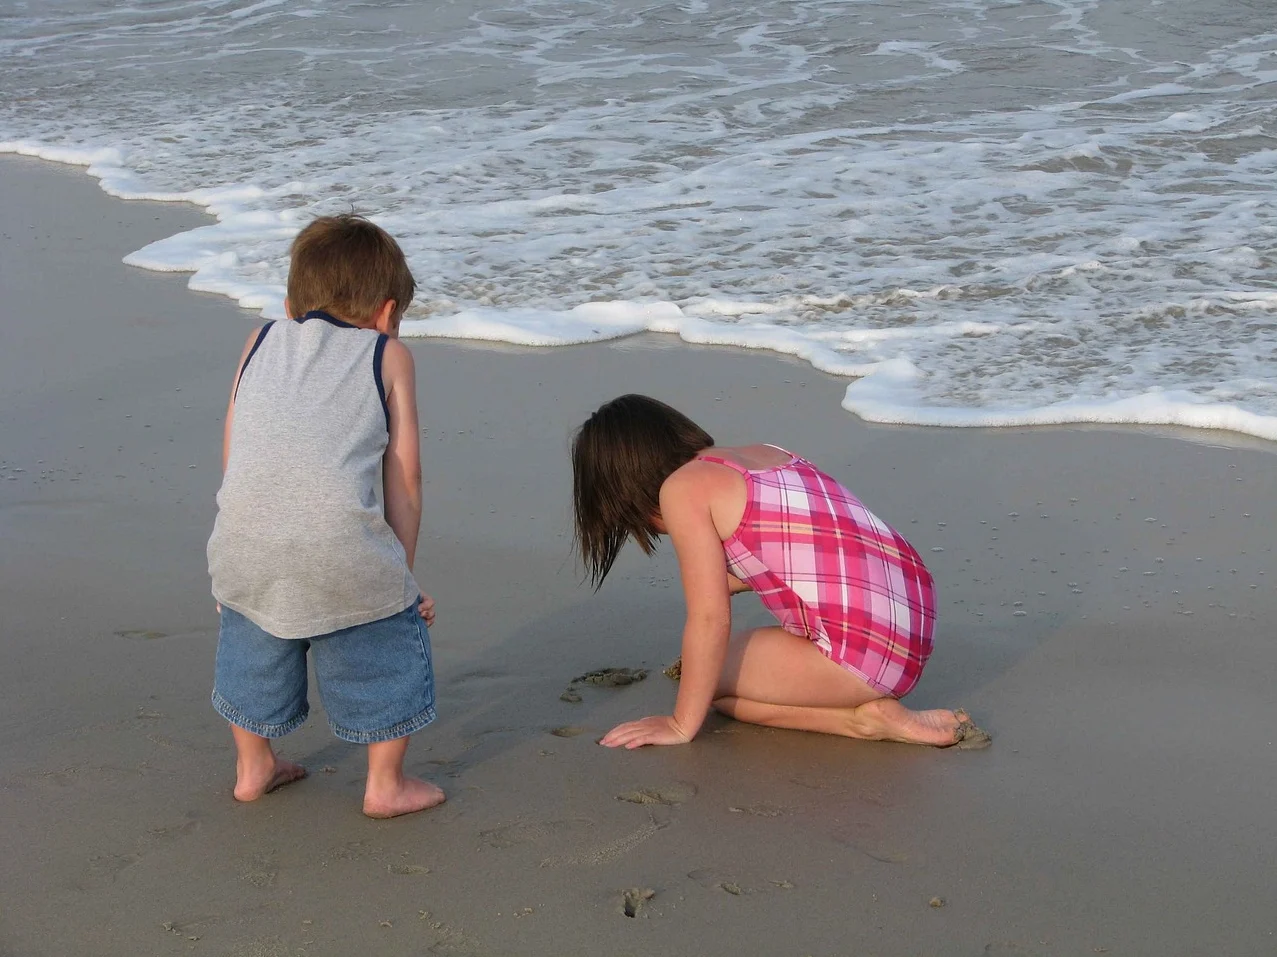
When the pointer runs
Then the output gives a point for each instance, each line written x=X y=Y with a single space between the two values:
x=1106 y=614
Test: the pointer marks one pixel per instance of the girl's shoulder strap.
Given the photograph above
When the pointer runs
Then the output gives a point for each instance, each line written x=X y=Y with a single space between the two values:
x=719 y=460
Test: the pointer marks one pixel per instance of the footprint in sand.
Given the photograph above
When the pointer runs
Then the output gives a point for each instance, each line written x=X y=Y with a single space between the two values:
x=172 y=832
x=110 y=865
x=608 y=852
x=567 y=731
x=530 y=832
x=669 y=794
x=876 y=798
x=1011 y=947
x=407 y=870
x=449 y=767
x=860 y=838
x=761 y=810
x=451 y=939
x=141 y=634
x=353 y=851
x=708 y=878
x=187 y=928
x=810 y=781
x=261 y=872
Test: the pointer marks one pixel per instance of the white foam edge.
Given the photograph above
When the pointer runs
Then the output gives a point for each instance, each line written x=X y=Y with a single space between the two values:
x=202 y=251
x=106 y=164
x=890 y=396
x=601 y=321
x=884 y=392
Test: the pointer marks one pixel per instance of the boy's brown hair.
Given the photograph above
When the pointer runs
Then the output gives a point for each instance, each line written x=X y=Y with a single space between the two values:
x=347 y=266
x=621 y=456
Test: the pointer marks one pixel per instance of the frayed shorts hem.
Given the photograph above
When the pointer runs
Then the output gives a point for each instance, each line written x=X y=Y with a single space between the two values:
x=240 y=720
x=400 y=730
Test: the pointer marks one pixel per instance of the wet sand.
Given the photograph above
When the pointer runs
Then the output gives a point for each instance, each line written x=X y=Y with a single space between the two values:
x=1106 y=615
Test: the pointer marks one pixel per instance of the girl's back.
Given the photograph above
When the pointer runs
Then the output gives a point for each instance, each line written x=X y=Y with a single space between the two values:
x=828 y=568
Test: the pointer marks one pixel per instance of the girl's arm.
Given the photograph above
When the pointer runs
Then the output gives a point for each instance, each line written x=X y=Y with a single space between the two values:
x=401 y=465
x=685 y=511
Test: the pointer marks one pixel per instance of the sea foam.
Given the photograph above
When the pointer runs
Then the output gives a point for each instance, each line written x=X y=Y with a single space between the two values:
x=878 y=192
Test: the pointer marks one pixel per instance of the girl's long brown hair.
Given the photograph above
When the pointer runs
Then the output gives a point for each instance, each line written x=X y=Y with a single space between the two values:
x=621 y=456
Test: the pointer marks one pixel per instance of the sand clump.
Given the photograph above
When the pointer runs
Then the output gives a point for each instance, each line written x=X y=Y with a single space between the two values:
x=602 y=678
x=970 y=738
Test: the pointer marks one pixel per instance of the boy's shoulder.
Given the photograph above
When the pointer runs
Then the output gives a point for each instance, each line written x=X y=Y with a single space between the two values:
x=396 y=355
x=251 y=344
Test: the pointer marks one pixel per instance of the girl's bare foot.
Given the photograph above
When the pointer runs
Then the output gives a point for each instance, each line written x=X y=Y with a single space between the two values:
x=253 y=779
x=405 y=796
x=886 y=719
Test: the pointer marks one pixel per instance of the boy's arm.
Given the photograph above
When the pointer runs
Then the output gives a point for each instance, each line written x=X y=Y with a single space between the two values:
x=401 y=466
x=230 y=406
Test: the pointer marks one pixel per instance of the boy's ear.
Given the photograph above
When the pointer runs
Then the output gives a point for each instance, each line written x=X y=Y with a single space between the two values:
x=386 y=319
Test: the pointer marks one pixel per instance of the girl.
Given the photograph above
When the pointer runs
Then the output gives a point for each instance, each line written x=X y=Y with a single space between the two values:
x=855 y=603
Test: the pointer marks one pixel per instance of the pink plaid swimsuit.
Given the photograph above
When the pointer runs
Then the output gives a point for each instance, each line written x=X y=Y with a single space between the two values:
x=833 y=572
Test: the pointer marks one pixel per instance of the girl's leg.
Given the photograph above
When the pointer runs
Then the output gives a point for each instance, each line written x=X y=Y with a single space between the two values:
x=388 y=792
x=257 y=768
x=780 y=680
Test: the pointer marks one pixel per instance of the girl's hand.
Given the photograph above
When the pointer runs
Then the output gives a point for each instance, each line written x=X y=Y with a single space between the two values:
x=426 y=609
x=658 y=729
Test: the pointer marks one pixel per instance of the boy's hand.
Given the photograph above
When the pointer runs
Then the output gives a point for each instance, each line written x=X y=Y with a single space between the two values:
x=658 y=729
x=426 y=609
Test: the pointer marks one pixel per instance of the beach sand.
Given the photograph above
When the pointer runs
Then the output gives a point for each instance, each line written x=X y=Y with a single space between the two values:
x=1106 y=614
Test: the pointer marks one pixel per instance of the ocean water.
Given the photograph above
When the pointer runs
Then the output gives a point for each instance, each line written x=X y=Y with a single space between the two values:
x=982 y=212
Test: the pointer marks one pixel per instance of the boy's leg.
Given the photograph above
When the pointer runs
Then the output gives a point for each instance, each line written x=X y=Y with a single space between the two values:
x=377 y=683
x=389 y=793
x=260 y=688
x=780 y=680
x=258 y=770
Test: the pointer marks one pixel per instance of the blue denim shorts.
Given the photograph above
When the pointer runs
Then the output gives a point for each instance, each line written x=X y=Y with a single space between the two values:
x=375 y=680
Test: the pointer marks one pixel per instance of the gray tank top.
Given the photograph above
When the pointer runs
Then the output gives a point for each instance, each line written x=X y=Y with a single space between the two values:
x=301 y=545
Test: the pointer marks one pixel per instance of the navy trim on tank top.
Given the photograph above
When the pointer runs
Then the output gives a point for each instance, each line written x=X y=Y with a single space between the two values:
x=377 y=352
x=382 y=338
x=249 y=358
x=320 y=314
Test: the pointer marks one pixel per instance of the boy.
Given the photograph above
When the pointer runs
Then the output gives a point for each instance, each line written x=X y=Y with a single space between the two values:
x=317 y=522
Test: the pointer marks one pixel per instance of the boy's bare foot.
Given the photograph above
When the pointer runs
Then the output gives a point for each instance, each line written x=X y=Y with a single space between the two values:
x=886 y=719
x=406 y=797
x=258 y=778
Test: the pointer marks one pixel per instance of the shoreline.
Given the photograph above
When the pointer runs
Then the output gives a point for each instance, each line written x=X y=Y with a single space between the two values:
x=1127 y=690
x=1209 y=435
